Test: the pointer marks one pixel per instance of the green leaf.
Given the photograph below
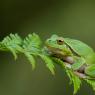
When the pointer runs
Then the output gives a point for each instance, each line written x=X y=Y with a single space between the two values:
x=12 y=43
x=31 y=59
x=32 y=43
x=13 y=52
x=49 y=63
x=31 y=46
x=75 y=80
x=91 y=82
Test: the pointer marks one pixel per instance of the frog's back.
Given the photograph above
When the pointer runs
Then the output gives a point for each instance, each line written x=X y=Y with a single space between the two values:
x=81 y=48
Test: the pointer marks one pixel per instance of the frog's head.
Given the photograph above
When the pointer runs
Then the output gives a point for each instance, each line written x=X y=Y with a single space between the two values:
x=57 y=46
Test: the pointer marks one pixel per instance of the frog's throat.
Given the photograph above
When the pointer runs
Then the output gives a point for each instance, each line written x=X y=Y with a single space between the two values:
x=56 y=51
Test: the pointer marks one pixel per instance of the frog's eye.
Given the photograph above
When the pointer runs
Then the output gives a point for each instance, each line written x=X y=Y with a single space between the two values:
x=60 y=41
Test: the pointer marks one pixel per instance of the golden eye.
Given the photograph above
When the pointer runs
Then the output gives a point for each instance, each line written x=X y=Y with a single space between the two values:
x=60 y=41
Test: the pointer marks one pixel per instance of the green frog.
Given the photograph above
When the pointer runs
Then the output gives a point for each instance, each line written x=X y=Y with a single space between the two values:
x=79 y=56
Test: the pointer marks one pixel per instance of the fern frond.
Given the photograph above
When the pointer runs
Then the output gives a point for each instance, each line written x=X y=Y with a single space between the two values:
x=49 y=63
x=31 y=47
x=91 y=83
x=12 y=43
x=75 y=80
x=31 y=59
x=32 y=43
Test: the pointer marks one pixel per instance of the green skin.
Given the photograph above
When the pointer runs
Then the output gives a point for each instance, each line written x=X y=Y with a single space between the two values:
x=82 y=54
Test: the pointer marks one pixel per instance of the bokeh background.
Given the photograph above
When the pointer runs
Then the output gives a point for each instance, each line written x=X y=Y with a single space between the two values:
x=70 y=18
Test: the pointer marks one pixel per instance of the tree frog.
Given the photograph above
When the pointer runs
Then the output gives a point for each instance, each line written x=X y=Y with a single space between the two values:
x=79 y=55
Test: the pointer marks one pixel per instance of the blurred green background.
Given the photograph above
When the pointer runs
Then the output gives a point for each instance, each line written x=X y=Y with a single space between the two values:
x=70 y=18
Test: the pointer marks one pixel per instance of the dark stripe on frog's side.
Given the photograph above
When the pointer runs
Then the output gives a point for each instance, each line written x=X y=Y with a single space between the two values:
x=72 y=50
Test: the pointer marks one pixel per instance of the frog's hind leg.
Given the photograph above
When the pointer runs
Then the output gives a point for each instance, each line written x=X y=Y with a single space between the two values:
x=90 y=70
x=79 y=64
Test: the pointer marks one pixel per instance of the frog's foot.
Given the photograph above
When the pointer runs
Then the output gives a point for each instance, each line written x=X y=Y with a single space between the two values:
x=83 y=76
x=80 y=75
